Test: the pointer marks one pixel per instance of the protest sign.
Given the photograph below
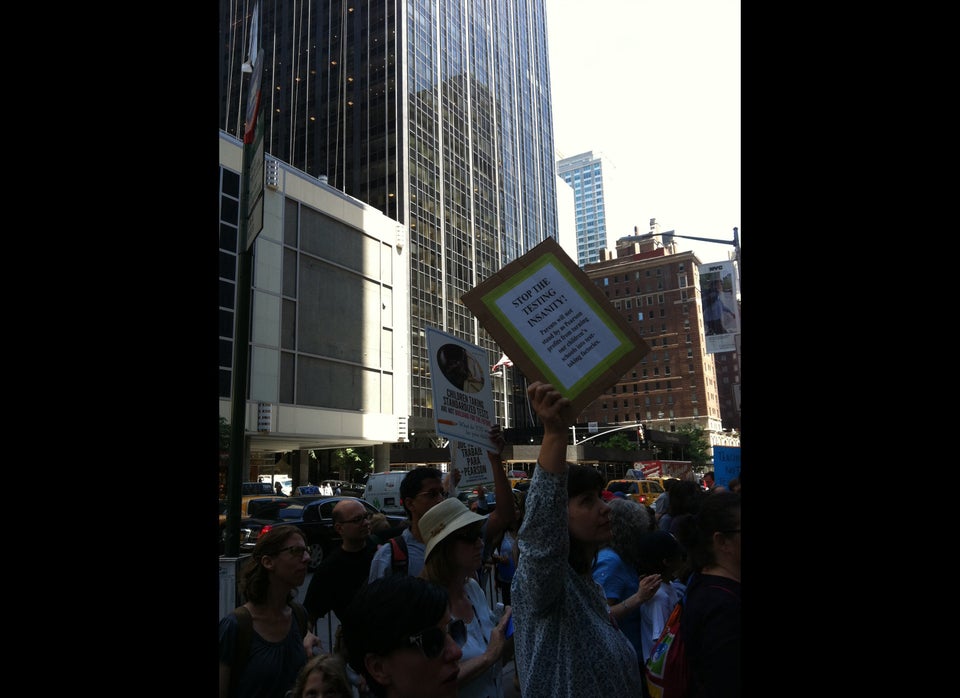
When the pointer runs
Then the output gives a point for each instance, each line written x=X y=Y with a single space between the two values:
x=553 y=322
x=462 y=396
x=473 y=463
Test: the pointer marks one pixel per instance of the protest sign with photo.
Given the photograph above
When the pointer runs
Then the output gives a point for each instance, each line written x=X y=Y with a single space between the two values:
x=462 y=396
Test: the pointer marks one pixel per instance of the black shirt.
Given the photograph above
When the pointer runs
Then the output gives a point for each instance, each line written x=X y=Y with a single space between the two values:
x=337 y=579
x=710 y=628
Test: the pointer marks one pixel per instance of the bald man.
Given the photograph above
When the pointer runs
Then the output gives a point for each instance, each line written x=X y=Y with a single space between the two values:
x=345 y=570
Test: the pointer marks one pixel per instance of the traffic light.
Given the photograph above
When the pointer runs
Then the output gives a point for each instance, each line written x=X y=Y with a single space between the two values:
x=641 y=434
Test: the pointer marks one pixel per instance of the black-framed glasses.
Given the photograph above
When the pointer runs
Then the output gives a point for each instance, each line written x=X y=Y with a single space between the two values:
x=297 y=550
x=357 y=519
x=435 y=493
x=432 y=640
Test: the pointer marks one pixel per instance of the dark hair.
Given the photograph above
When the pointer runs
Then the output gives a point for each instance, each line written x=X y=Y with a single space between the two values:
x=255 y=579
x=653 y=548
x=719 y=511
x=411 y=482
x=684 y=498
x=385 y=613
x=580 y=479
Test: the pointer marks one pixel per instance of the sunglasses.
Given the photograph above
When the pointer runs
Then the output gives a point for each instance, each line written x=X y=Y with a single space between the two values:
x=468 y=536
x=432 y=640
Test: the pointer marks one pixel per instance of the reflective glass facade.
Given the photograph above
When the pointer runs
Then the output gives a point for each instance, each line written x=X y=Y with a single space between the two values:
x=585 y=174
x=437 y=113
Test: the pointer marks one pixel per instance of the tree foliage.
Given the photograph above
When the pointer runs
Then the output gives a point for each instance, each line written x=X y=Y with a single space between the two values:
x=697 y=451
x=619 y=441
x=354 y=463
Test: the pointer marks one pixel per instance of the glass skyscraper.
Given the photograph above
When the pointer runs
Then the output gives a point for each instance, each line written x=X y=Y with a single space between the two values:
x=590 y=177
x=435 y=112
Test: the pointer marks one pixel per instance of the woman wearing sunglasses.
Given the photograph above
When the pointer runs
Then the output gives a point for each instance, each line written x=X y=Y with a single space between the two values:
x=399 y=636
x=454 y=552
x=567 y=643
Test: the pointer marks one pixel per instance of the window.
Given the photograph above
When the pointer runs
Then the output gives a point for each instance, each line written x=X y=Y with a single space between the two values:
x=644 y=373
x=660 y=298
x=666 y=370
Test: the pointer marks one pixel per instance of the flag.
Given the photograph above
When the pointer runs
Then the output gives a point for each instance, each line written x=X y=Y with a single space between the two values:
x=504 y=361
x=248 y=64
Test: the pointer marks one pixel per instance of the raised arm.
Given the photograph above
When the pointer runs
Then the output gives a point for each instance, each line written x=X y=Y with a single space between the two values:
x=504 y=510
x=548 y=403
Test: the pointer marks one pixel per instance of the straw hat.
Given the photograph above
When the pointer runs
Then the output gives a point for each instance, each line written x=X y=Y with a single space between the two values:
x=447 y=517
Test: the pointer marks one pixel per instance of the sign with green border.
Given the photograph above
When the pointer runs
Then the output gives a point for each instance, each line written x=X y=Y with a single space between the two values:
x=553 y=322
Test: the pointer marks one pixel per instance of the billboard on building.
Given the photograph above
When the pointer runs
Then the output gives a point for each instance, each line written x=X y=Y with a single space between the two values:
x=719 y=291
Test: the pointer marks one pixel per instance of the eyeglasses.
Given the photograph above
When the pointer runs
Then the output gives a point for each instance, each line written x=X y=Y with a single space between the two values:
x=731 y=531
x=432 y=640
x=297 y=550
x=435 y=493
x=356 y=519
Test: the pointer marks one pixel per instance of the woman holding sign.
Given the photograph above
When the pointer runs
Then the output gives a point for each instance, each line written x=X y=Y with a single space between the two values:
x=566 y=641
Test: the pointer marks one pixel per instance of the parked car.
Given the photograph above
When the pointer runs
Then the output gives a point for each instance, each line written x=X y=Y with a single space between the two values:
x=316 y=522
x=643 y=491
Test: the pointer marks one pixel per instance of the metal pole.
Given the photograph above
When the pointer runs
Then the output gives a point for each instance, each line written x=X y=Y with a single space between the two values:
x=238 y=397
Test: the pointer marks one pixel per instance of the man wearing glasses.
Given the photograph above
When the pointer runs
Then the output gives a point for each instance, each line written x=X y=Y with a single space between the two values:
x=423 y=488
x=420 y=490
x=340 y=574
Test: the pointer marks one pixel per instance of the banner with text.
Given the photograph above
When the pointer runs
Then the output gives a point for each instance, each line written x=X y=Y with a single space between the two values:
x=462 y=396
x=554 y=323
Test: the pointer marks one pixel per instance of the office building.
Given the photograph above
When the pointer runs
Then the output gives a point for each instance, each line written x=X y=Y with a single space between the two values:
x=437 y=115
x=592 y=179
x=657 y=290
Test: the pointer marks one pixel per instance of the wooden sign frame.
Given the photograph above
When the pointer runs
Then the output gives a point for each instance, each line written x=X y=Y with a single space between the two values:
x=554 y=323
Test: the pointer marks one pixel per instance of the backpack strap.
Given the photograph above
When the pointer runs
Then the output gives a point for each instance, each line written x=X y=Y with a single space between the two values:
x=241 y=651
x=398 y=550
x=301 y=615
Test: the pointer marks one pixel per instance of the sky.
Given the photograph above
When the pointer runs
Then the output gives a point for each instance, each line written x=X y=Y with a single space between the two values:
x=654 y=85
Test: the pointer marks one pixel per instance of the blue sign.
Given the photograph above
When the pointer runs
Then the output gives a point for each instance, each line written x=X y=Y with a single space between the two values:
x=726 y=464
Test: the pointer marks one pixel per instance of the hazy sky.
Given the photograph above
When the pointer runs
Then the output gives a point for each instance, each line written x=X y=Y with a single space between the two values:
x=654 y=85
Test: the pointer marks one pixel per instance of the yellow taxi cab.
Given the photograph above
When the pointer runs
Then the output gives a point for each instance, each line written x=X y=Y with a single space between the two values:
x=644 y=491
